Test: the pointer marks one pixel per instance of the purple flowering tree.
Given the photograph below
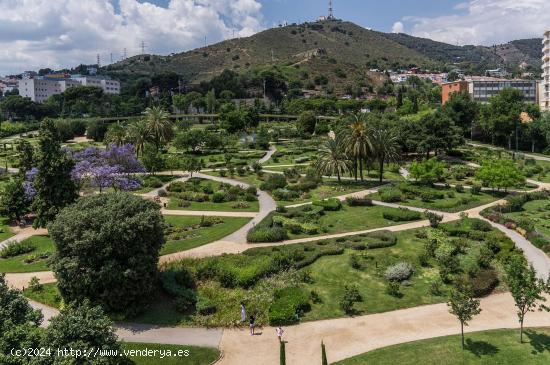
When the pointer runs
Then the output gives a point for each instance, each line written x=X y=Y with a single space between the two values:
x=111 y=168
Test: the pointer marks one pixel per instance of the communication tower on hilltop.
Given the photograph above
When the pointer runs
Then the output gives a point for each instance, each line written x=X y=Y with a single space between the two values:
x=330 y=10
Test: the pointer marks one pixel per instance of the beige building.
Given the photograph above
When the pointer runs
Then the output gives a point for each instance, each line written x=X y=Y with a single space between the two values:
x=39 y=89
x=544 y=90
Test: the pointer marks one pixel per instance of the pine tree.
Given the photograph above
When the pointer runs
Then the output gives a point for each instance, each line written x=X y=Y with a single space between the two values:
x=53 y=184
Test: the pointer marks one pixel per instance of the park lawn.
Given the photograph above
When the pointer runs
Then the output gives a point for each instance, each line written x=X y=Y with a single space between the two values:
x=452 y=202
x=249 y=178
x=500 y=347
x=331 y=274
x=210 y=206
x=293 y=152
x=48 y=295
x=196 y=355
x=537 y=212
x=5 y=230
x=163 y=178
x=350 y=219
x=330 y=189
x=199 y=236
x=16 y=264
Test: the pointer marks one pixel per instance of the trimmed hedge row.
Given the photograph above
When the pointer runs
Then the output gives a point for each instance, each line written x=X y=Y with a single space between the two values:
x=401 y=215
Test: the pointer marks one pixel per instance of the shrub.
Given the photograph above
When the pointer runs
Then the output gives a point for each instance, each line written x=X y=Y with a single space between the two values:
x=459 y=188
x=401 y=215
x=399 y=272
x=392 y=288
x=331 y=204
x=285 y=194
x=267 y=234
x=390 y=195
x=152 y=182
x=14 y=248
x=289 y=303
x=355 y=262
x=358 y=202
x=382 y=239
x=484 y=282
x=162 y=193
x=34 y=284
x=350 y=297
x=274 y=181
x=205 y=306
x=476 y=189
x=434 y=219
x=219 y=197
x=436 y=286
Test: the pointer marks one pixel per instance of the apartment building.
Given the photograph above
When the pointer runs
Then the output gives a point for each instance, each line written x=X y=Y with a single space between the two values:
x=39 y=89
x=544 y=88
x=481 y=89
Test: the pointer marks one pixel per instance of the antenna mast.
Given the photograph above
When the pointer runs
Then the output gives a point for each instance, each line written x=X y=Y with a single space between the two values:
x=98 y=61
x=330 y=10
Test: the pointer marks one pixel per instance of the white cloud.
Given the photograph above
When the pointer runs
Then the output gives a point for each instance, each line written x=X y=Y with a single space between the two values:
x=486 y=22
x=60 y=33
x=398 y=27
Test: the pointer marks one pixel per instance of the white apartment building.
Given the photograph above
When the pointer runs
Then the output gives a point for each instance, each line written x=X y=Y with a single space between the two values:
x=39 y=89
x=544 y=90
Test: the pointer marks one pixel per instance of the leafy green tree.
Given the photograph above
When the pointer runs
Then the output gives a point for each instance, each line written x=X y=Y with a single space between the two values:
x=26 y=156
x=438 y=132
x=500 y=174
x=139 y=134
x=81 y=326
x=211 y=102
x=116 y=134
x=462 y=110
x=526 y=289
x=14 y=203
x=428 y=171
x=306 y=122
x=53 y=184
x=96 y=130
x=332 y=160
x=152 y=159
x=192 y=164
x=18 y=324
x=107 y=250
x=463 y=305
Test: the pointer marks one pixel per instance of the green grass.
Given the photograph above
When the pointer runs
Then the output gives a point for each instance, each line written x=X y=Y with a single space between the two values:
x=330 y=189
x=536 y=211
x=5 y=231
x=195 y=355
x=349 y=219
x=16 y=264
x=498 y=347
x=49 y=295
x=210 y=206
x=164 y=178
x=331 y=273
x=199 y=236
x=452 y=202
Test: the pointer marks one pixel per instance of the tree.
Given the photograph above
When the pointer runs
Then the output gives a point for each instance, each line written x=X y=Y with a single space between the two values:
x=332 y=160
x=18 y=324
x=462 y=110
x=152 y=159
x=139 y=134
x=107 y=250
x=26 y=156
x=384 y=147
x=53 y=184
x=428 y=171
x=500 y=174
x=324 y=360
x=192 y=164
x=526 y=289
x=14 y=202
x=81 y=326
x=463 y=306
x=116 y=134
x=437 y=133
x=159 y=125
x=354 y=137
x=306 y=122
x=282 y=353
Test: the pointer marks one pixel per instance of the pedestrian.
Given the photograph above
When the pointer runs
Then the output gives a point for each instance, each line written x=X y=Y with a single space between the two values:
x=252 y=321
x=280 y=332
x=243 y=312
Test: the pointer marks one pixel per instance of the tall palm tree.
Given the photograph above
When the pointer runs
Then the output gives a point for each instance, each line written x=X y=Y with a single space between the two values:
x=385 y=147
x=332 y=160
x=139 y=134
x=159 y=125
x=356 y=143
x=116 y=134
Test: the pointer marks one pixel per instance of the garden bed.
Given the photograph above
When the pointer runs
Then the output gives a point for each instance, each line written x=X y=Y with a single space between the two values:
x=29 y=255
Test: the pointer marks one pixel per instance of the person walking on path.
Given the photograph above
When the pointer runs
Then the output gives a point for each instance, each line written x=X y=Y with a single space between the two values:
x=252 y=321
x=280 y=332
x=243 y=312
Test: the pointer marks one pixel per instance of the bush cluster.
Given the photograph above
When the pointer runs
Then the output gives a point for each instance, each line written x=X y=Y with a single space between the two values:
x=399 y=272
x=289 y=303
x=331 y=204
x=15 y=248
x=401 y=215
x=358 y=202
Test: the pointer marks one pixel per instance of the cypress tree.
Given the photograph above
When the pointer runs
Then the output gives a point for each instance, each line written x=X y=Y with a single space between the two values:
x=323 y=354
x=282 y=353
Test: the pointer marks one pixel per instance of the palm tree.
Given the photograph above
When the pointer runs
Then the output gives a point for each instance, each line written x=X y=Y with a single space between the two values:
x=356 y=143
x=385 y=147
x=332 y=159
x=139 y=134
x=116 y=134
x=159 y=125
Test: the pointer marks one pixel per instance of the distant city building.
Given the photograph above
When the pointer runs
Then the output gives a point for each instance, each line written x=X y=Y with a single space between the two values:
x=39 y=89
x=499 y=72
x=481 y=89
x=544 y=89
x=438 y=78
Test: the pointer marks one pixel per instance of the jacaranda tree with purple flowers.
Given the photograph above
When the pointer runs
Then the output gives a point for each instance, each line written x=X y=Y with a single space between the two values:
x=111 y=168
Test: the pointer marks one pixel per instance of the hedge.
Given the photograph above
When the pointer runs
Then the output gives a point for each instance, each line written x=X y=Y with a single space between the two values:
x=331 y=204
x=287 y=306
x=358 y=202
x=401 y=215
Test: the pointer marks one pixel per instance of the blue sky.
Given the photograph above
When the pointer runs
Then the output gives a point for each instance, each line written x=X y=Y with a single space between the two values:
x=65 y=33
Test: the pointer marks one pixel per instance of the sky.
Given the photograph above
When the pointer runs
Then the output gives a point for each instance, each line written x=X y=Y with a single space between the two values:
x=64 y=33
